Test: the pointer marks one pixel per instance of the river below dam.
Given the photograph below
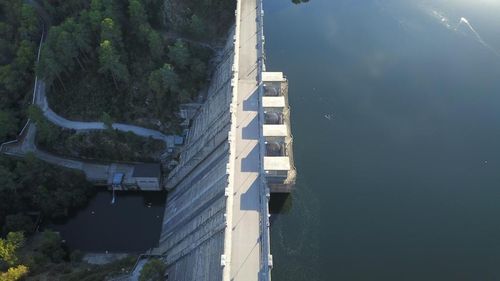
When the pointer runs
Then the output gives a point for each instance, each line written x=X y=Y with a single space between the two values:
x=132 y=224
x=395 y=110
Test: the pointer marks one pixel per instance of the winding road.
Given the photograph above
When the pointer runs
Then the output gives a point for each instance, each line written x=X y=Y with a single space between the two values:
x=41 y=101
x=26 y=144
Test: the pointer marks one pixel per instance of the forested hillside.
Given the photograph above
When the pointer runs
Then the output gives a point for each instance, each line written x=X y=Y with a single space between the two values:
x=20 y=32
x=130 y=61
x=135 y=60
x=28 y=185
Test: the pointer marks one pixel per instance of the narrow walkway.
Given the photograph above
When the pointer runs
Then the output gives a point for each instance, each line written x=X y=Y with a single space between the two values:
x=99 y=173
x=246 y=248
x=41 y=101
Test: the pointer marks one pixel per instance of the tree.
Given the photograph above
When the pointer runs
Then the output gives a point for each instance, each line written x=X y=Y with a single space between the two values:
x=18 y=222
x=61 y=43
x=14 y=273
x=155 y=43
x=76 y=256
x=49 y=67
x=7 y=124
x=9 y=247
x=111 y=32
x=9 y=78
x=35 y=114
x=8 y=254
x=198 y=69
x=25 y=56
x=163 y=79
x=7 y=179
x=43 y=200
x=179 y=54
x=137 y=13
x=29 y=23
x=95 y=14
x=50 y=246
x=153 y=270
x=46 y=132
x=110 y=63
x=80 y=36
x=197 y=27
x=31 y=173
x=107 y=120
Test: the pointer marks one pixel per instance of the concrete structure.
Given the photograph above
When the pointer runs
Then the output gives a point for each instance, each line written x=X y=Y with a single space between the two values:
x=278 y=160
x=147 y=176
x=216 y=222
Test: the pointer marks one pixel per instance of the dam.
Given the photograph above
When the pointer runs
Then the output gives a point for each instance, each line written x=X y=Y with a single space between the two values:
x=238 y=150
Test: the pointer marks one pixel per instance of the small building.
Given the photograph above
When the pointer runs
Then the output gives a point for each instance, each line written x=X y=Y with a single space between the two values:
x=278 y=158
x=117 y=181
x=147 y=176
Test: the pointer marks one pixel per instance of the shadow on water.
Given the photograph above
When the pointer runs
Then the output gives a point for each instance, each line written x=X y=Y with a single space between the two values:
x=132 y=224
x=280 y=203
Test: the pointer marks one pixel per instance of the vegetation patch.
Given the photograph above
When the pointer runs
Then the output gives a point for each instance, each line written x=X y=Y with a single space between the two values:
x=102 y=145
x=20 y=32
x=154 y=269
x=31 y=186
x=106 y=145
x=124 y=58
x=136 y=60
x=44 y=257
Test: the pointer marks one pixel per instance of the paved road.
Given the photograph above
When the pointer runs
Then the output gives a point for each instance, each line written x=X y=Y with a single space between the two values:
x=245 y=261
x=41 y=101
x=26 y=144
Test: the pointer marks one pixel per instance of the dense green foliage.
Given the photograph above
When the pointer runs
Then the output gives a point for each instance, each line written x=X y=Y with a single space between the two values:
x=206 y=20
x=10 y=269
x=119 y=57
x=131 y=61
x=19 y=35
x=43 y=257
x=87 y=272
x=108 y=145
x=31 y=185
x=153 y=270
x=9 y=247
x=14 y=273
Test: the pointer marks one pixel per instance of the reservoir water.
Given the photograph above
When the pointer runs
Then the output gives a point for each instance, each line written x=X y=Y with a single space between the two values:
x=396 y=122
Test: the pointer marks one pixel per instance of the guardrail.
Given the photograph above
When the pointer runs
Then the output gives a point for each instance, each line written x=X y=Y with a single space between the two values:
x=23 y=130
x=229 y=193
x=266 y=258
